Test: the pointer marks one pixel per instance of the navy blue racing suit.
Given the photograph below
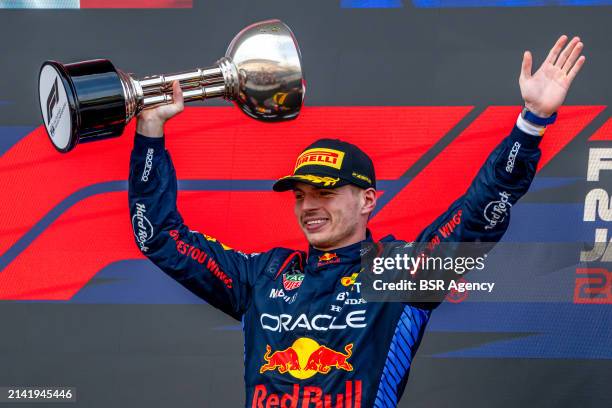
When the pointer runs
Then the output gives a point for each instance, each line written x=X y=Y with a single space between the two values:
x=311 y=340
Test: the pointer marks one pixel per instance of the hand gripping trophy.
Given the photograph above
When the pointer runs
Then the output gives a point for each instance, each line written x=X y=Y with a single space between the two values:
x=92 y=100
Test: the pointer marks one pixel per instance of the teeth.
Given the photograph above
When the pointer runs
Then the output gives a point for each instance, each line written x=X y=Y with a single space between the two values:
x=311 y=222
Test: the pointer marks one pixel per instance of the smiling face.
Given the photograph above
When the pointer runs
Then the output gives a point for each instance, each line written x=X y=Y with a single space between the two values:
x=333 y=218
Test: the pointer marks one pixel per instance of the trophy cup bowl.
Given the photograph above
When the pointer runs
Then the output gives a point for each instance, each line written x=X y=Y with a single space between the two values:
x=86 y=101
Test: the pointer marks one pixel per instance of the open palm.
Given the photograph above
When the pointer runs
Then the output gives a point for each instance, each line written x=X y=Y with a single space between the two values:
x=545 y=91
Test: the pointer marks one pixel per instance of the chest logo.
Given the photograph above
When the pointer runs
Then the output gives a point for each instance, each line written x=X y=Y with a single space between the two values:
x=328 y=258
x=292 y=281
x=349 y=280
x=305 y=358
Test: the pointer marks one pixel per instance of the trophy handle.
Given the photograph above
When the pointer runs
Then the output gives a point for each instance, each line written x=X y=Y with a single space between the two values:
x=156 y=90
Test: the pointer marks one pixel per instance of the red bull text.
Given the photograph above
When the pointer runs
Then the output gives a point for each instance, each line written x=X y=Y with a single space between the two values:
x=308 y=397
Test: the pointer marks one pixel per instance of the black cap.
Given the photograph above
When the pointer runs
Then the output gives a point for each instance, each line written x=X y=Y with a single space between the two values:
x=330 y=163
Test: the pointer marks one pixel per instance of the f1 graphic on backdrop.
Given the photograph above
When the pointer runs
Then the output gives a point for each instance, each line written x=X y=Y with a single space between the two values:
x=65 y=234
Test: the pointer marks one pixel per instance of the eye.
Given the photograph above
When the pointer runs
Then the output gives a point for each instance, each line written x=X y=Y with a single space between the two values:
x=326 y=193
x=299 y=196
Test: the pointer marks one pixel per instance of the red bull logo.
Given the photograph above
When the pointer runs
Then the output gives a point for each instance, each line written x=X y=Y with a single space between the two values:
x=324 y=358
x=283 y=360
x=308 y=396
x=305 y=358
x=328 y=258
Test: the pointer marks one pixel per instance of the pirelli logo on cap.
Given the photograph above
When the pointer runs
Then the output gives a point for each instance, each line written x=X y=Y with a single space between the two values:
x=320 y=157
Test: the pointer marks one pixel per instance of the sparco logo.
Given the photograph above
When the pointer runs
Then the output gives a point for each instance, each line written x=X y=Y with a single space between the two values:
x=496 y=211
x=148 y=165
x=512 y=156
x=143 y=230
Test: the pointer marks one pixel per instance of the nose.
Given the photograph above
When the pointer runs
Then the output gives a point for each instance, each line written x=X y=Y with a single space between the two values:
x=310 y=202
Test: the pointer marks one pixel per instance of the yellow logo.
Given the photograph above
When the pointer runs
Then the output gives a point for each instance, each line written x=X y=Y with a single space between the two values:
x=328 y=256
x=349 y=280
x=326 y=181
x=320 y=157
x=305 y=358
x=213 y=239
x=361 y=177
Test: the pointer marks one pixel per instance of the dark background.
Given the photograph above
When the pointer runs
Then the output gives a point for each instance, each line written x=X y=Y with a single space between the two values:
x=188 y=355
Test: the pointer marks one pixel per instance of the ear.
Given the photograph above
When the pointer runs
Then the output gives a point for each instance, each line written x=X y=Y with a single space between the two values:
x=368 y=201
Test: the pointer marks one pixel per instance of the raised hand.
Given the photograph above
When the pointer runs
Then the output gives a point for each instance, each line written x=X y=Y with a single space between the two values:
x=151 y=121
x=545 y=91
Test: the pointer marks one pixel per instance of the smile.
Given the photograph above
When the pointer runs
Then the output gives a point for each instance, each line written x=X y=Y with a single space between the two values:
x=315 y=224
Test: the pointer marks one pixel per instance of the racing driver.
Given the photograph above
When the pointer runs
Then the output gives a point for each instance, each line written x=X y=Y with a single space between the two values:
x=302 y=312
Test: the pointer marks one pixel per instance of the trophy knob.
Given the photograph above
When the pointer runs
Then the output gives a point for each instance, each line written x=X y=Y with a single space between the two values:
x=265 y=75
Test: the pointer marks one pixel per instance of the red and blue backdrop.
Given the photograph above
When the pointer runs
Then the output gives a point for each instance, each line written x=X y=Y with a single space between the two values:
x=427 y=88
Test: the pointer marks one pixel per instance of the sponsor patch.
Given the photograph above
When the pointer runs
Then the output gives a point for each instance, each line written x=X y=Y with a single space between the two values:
x=321 y=322
x=305 y=358
x=496 y=211
x=362 y=177
x=280 y=293
x=320 y=157
x=148 y=165
x=292 y=281
x=202 y=258
x=328 y=258
x=142 y=227
x=349 y=280
x=512 y=156
x=309 y=396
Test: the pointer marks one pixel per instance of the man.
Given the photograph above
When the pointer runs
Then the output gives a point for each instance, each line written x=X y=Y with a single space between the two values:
x=311 y=340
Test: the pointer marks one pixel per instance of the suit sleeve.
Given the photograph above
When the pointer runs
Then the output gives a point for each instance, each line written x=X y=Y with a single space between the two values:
x=482 y=214
x=200 y=263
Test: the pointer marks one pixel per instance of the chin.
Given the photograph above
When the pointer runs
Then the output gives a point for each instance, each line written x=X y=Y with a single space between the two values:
x=318 y=240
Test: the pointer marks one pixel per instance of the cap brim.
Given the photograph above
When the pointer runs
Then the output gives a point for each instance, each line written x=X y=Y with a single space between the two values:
x=320 y=181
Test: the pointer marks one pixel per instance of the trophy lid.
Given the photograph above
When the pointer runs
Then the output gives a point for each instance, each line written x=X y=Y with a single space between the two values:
x=268 y=66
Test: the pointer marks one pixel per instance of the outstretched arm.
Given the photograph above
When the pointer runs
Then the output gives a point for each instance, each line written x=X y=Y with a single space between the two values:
x=483 y=212
x=206 y=267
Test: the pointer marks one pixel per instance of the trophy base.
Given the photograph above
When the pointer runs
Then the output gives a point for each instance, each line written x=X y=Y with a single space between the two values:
x=81 y=102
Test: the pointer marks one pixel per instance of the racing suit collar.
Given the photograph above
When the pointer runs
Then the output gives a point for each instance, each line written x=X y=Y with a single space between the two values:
x=318 y=259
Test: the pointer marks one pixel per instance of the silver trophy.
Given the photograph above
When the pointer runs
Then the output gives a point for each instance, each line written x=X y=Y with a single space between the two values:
x=92 y=100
